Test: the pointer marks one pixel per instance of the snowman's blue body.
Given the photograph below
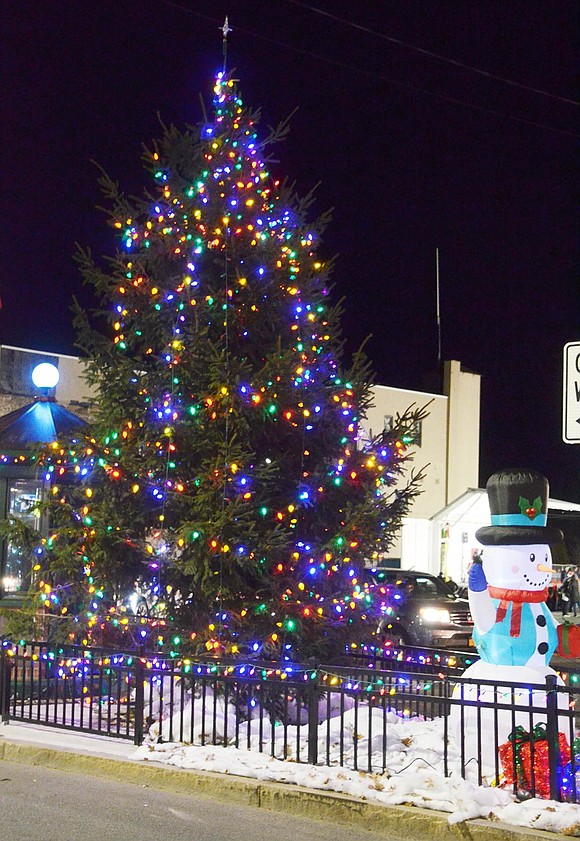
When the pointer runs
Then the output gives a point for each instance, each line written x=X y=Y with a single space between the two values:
x=497 y=646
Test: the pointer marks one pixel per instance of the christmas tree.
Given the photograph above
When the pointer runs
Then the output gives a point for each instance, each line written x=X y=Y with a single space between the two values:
x=225 y=462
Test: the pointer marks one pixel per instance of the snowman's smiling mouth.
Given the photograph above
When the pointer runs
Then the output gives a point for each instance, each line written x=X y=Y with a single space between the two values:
x=533 y=584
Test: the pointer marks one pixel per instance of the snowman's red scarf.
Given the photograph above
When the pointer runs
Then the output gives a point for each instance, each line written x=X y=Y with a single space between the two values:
x=517 y=598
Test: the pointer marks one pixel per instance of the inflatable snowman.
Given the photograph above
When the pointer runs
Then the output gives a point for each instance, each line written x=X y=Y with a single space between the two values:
x=507 y=592
x=515 y=632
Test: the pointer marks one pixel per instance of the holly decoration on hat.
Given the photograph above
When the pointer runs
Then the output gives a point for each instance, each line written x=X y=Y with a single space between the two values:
x=530 y=509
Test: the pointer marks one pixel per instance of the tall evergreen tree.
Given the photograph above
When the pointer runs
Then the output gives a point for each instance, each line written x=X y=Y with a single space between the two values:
x=225 y=457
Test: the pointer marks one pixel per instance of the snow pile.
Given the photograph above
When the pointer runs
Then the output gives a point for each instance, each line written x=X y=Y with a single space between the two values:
x=414 y=775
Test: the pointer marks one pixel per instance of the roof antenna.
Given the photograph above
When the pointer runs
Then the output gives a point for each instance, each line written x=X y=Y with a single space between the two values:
x=226 y=29
x=438 y=308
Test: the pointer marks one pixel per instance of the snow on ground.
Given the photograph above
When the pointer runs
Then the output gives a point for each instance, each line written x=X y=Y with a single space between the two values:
x=414 y=770
x=416 y=785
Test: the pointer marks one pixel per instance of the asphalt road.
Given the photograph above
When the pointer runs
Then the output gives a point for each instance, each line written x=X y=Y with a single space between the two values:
x=40 y=804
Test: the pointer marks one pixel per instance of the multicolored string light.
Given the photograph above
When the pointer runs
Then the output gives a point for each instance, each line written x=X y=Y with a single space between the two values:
x=266 y=307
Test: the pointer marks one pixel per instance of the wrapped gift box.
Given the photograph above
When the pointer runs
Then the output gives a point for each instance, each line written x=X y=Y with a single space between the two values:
x=521 y=741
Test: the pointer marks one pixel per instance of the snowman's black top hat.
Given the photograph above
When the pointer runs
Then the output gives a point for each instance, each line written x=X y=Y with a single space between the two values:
x=518 y=501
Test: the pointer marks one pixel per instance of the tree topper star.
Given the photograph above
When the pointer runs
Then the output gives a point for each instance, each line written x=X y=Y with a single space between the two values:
x=226 y=28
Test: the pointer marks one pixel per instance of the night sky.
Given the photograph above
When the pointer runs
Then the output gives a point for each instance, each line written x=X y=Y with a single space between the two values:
x=473 y=155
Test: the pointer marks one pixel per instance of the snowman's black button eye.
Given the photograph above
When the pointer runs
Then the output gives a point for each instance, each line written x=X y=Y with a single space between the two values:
x=532 y=557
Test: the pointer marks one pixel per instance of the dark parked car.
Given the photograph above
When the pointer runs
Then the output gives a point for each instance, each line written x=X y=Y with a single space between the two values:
x=419 y=609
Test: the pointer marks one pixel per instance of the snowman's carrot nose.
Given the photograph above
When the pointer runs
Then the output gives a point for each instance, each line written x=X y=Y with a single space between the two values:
x=544 y=568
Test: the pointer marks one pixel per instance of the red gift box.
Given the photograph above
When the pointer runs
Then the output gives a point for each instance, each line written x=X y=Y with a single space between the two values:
x=521 y=741
x=568 y=640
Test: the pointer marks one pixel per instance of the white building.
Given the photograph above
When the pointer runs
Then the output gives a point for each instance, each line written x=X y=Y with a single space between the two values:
x=447 y=445
x=439 y=534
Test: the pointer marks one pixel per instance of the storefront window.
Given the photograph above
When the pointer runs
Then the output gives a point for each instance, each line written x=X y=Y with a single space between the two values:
x=22 y=501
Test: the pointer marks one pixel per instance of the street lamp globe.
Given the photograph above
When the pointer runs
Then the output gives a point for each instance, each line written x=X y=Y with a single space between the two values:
x=45 y=375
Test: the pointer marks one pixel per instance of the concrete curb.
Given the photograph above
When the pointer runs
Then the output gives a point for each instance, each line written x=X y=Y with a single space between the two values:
x=405 y=822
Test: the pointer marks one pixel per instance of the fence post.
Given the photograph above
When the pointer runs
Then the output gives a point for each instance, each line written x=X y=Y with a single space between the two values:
x=5 y=669
x=312 y=701
x=552 y=735
x=139 y=700
x=446 y=714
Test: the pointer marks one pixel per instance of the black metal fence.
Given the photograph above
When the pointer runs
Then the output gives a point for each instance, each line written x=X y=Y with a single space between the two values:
x=86 y=690
x=350 y=714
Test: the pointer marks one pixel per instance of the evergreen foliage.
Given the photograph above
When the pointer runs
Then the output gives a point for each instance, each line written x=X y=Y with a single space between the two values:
x=225 y=461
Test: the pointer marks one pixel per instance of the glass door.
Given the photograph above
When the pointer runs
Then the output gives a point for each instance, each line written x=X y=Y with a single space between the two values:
x=23 y=501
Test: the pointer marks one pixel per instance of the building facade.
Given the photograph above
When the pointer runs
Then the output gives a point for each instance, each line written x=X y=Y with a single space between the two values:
x=447 y=447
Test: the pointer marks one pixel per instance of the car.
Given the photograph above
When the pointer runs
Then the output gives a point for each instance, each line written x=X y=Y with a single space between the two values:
x=418 y=609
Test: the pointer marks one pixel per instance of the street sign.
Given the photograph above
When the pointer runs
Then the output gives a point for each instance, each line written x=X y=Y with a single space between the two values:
x=571 y=419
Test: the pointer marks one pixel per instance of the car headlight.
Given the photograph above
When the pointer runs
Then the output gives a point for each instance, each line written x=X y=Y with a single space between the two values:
x=434 y=614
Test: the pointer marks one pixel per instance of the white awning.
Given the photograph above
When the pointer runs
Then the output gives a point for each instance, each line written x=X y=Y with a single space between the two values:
x=473 y=506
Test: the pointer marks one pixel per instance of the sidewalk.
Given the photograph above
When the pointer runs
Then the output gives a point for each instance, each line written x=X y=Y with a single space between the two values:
x=569 y=617
x=112 y=759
